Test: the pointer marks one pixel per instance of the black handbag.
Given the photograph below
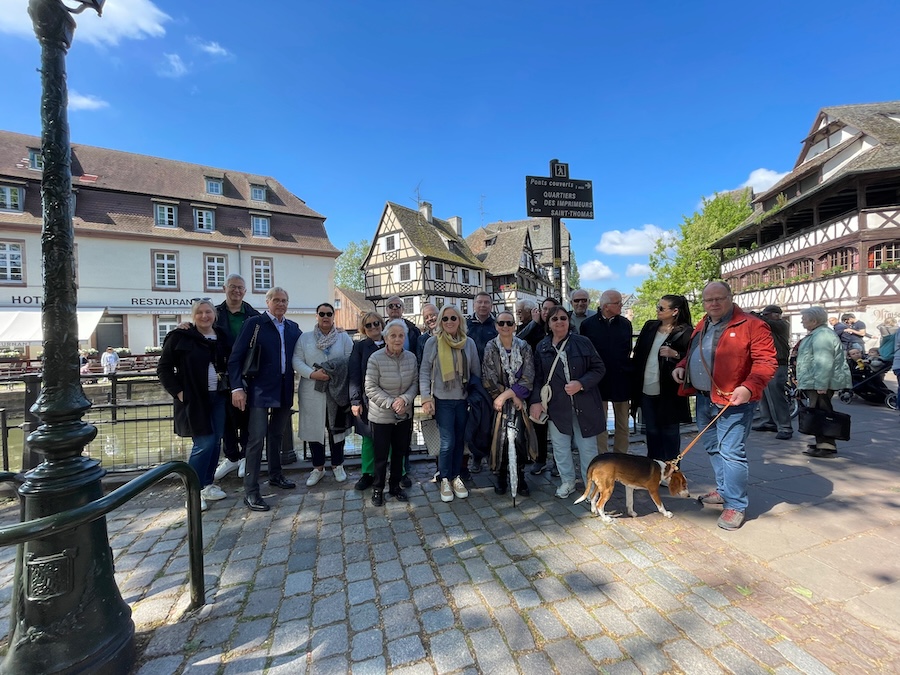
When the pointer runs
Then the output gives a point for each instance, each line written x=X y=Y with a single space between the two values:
x=251 y=359
x=818 y=422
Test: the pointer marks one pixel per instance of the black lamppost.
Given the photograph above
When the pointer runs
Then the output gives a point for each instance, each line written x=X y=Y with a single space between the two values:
x=67 y=613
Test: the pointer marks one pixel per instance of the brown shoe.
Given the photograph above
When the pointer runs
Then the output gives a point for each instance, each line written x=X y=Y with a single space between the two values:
x=731 y=519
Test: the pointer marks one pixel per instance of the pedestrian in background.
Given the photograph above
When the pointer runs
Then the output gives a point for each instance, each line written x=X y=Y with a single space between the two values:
x=192 y=368
x=109 y=361
x=774 y=409
x=660 y=345
x=320 y=356
x=821 y=370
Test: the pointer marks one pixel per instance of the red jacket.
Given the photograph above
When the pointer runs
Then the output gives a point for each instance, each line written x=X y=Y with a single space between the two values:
x=744 y=356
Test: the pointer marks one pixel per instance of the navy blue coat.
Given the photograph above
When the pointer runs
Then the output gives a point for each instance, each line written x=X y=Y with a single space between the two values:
x=224 y=325
x=269 y=389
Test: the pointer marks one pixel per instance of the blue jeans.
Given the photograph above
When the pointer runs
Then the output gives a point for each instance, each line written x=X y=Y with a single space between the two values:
x=562 y=451
x=450 y=416
x=726 y=444
x=205 y=453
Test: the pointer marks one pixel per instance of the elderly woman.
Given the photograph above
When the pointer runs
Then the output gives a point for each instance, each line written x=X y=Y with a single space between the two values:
x=391 y=386
x=821 y=370
x=192 y=369
x=660 y=345
x=370 y=325
x=449 y=364
x=321 y=359
x=508 y=376
x=569 y=364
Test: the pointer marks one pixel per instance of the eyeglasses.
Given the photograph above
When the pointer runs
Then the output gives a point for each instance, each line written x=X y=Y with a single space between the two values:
x=721 y=299
x=445 y=319
x=580 y=300
x=506 y=323
x=373 y=324
x=560 y=317
x=236 y=288
x=660 y=308
x=394 y=305
x=324 y=314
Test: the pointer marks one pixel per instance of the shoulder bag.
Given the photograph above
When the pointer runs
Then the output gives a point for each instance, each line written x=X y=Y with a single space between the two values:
x=546 y=391
x=251 y=359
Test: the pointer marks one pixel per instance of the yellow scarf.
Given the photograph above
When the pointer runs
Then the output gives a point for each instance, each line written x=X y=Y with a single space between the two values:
x=445 y=345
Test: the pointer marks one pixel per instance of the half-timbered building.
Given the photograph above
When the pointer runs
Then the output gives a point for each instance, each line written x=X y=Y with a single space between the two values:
x=421 y=259
x=828 y=233
x=542 y=245
x=513 y=272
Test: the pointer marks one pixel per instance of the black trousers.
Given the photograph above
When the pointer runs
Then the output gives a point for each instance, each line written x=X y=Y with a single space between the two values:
x=384 y=437
x=234 y=439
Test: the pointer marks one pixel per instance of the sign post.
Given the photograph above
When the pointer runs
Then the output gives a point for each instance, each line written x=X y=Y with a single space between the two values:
x=557 y=196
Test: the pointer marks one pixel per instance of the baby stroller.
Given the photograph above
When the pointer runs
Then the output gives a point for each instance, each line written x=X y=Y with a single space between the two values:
x=868 y=384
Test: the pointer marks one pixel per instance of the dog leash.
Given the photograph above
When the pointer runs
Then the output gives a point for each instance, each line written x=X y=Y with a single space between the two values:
x=678 y=459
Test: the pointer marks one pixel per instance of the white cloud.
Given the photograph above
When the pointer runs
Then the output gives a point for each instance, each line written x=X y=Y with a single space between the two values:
x=85 y=101
x=593 y=270
x=638 y=270
x=762 y=179
x=633 y=242
x=121 y=20
x=173 y=66
x=212 y=48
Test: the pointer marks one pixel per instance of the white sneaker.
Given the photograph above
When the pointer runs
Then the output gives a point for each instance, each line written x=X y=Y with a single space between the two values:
x=565 y=490
x=459 y=488
x=203 y=505
x=446 y=491
x=242 y=469
x=226 y=466
x=212 y=493
x=339 y=474
x=315 y=476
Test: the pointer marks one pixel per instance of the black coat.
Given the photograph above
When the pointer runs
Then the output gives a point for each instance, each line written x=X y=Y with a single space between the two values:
x=612 y=340
x=675 y=408
x=584 y=366
x=356 y=377
x=412 y=335
x=481 y=333
x=184 y=368
x=223 y=323
x=533 y=333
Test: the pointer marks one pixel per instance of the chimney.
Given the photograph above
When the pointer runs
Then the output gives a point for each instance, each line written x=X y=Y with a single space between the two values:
x=425 y=210
x=456 y=223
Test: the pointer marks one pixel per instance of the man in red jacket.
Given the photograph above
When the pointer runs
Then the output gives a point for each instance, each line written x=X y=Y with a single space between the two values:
x=730 y=361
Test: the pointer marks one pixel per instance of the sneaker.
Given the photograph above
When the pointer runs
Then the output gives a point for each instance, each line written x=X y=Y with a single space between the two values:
x=565 y=490
x=538 y=468
x=339 y=474
x=203 y=505
x=711 y=498
x=406 y=481
x=226 y=466
x=459 y=488
x=731 y=519
x=554 y=471
x=315 y=476
x=446 y=491
x=784 y=435
x=476 y=466
x=212 y=493
x=242 y=469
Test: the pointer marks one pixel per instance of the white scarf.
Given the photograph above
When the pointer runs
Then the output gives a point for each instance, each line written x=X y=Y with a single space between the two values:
x=510 y=361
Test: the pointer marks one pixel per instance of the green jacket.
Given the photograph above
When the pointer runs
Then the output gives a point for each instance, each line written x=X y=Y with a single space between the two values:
x=821 y=363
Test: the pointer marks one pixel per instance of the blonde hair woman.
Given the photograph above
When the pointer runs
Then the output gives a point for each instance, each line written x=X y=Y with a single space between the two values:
x=449 y=364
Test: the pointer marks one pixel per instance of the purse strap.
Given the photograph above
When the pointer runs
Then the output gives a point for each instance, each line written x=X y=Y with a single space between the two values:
x=253 y=339
x=559 y=351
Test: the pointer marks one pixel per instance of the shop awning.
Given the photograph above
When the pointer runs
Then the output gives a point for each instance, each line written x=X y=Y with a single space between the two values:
x=18 y=328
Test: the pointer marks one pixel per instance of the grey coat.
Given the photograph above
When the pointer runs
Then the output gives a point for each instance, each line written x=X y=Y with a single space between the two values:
x=432 y=385
x=311 y=403
x=388 y=377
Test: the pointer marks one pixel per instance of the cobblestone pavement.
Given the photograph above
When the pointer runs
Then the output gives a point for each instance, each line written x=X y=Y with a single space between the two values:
x=327 y=583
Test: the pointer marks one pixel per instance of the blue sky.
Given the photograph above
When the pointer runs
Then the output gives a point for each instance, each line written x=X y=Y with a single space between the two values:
x=351 y=104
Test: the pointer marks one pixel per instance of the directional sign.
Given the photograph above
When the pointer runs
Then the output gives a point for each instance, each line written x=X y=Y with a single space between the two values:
x=559 y=198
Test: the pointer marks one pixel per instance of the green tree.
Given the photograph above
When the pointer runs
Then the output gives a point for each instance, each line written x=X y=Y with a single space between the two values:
x=684 y=266
x=346 y=267
x=574 y=276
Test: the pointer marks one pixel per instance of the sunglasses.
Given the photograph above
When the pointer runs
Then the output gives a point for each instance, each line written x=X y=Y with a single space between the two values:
x=395 y=306
x=445 y=319
x=660 y=308
x=199 y=299
x=559 y=318
x=323 y=314
x=506 y=323
x=374 y=324
x=580 y=300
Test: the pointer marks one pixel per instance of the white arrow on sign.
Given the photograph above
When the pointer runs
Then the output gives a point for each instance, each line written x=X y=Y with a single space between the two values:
x=533 y=202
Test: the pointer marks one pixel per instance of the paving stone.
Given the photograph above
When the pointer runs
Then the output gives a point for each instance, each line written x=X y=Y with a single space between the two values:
x=208 y=662
x=169 y=639
x=577 y=618
x=262 y=602
x=367 y=644
x=478 y=570
x=405 y=650
x=654 y=625
x=429 y=596
x=437 y=620
x=512 y=578
x=691 y=659
x=646 y=655
x=419 y=575
x=547 y=624
x=329 y=610
x=702 y=608
x=452 y=574
x=475 y=617
x=696 y=629
x=163 y=666
x=735 y=661
x=363 y=616
x=568 y=658
x=295 y=607
x=494 y=594
x=602 y=649
x=526 y=598
x=251 y=634
x=450 y=652
x=291 y=637
x=491 y=652
x=801 y=659
x=335 y=665
x=392 y=592
x=298 y=582
x=361 y=591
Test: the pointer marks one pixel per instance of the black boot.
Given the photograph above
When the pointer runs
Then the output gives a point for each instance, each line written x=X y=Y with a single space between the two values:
x=398 y=494
x=377 y=497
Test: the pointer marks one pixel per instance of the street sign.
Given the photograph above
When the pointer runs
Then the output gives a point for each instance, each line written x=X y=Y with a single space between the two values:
x=559 y=198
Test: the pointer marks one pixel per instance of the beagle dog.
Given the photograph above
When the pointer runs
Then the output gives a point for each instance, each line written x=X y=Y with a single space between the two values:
x=634 y=472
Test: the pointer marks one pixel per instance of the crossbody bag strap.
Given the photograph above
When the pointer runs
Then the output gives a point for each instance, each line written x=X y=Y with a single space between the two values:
x=556 y=360
x=726 y=394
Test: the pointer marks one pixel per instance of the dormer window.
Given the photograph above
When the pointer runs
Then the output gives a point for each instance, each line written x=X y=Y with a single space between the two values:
x=204 y=220
x=11 y=198
x=213 y=186
x=258 y=193
x=35 y=159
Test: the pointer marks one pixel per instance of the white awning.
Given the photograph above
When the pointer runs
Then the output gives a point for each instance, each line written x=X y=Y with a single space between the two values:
x=17 y=328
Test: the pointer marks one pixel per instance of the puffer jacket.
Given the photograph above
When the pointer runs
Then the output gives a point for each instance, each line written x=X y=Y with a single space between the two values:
x=387 y=377
x=821 y=363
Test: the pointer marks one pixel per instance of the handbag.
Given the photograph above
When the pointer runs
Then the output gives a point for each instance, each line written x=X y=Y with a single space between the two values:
x=222 y=383
x=431 y=436
x=251 y=359
x=819 y=422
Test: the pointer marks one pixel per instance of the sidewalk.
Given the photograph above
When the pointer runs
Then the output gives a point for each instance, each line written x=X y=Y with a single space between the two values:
x=326 y=583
